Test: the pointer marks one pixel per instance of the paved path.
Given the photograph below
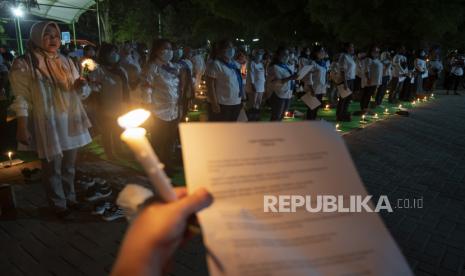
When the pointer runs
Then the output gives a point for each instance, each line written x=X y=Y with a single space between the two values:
x=419 y=156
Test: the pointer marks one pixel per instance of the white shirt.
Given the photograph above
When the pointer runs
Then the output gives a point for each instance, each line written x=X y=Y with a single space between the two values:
x=374 y=69
x=256 y=77
x=420 y=65
x=397 y=69
x=316 y=79
x=164 y=85
x=456 y=70
x=347 y=65
x=387 y=64
x=281 y=89
x=226 y=83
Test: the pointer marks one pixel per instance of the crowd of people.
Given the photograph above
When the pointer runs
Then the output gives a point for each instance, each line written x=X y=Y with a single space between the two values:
x=59 y=95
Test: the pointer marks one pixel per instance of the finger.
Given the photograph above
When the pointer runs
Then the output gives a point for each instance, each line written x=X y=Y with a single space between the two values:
x=195 y=202
x=180 y=192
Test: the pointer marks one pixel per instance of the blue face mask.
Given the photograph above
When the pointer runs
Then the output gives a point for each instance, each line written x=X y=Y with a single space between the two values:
x=230 y=52
x=113 y=58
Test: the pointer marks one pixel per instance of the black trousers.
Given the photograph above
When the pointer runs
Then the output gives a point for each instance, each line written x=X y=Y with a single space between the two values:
x=454 y=82
x=367 y=92
x=396 y=87
x=228 y=113
x=163 y=139
x=343 y=103
x=278 y=107
x=382 y=90
x=312 y=114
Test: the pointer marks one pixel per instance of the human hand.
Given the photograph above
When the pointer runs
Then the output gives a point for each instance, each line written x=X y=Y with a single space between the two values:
x=79 y=83
x=156 y=233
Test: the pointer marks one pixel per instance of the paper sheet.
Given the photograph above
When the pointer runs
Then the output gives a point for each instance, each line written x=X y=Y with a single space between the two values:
x=304 y=71
x=311 y=101
x=239 y=163
x=343 y=92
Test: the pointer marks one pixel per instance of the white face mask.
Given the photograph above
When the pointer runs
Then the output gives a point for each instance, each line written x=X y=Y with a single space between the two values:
x=230 y=52
x=166 y=55
x=180 y=53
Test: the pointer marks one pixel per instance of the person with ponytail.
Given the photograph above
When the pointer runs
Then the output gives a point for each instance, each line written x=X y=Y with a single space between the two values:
x=51 y=118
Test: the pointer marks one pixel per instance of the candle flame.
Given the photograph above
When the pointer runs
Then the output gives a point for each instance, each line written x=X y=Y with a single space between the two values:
x=133 y=118
x=133 y=133
x=186 y=119
x=10 y=154
x=89 y=64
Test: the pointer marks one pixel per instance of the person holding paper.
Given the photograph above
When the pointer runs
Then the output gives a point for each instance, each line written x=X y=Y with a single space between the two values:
x=225 y=90
x=255 y=86
x=371 y=79
x=161 y=79
x=347 y=67
x=421 y=70
x=279 y=83
x=315 y=82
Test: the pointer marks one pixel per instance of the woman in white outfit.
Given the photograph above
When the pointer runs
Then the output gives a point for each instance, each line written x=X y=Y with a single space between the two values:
x=51 y=118
x=315 y=81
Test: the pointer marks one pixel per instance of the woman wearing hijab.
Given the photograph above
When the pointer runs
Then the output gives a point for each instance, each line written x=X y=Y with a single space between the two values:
x=51 y=117
x=111 y=80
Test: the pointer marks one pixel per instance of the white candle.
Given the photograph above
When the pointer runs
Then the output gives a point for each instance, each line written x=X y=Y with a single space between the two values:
x=10 y=154
x=136 y=140
x=135 y=137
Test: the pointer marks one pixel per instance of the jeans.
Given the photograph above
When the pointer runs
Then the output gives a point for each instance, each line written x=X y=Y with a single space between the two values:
x=58 y=179
x=278 y=107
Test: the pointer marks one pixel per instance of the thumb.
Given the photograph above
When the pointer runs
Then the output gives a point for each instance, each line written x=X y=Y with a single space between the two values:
x=195 y=202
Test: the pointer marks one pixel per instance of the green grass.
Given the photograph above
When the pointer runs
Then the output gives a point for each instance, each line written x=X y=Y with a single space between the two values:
x=178 y=179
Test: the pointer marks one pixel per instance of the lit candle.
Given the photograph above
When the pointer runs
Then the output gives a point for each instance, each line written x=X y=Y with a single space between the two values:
x=327 y=107
x=10 y=154
x=88 y=65
x=386 y=111
x=186 y=119
x=135 y=137
x=414 y=102
x=363 y=118
x=196 y=107
x=337 y=127
x=376 y=116
x=432 y=95
x=400 y=106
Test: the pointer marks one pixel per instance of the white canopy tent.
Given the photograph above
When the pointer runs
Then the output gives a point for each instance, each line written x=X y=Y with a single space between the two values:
x=67 y=11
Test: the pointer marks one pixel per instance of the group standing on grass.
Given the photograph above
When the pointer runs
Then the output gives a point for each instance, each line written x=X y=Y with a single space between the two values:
x=57 y=98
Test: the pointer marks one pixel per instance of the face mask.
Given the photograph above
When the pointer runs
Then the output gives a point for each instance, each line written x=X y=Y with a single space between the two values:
x=166 y=55
x=291 y=56
x=113 y=58
x=180 y=52
x=285 y=59
x=230 y=52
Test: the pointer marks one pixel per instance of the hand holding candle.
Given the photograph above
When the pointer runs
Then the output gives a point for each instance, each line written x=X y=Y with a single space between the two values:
x=135 y=137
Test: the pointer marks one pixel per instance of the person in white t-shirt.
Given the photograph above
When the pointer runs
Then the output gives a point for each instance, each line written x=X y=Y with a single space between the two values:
x=347 y=67
x=371 y=79
x=315 y=81
x=399 y=73
x=224 y=83
x=435 y=68
x=255 y=85
x=279 y=83
x=421 y=70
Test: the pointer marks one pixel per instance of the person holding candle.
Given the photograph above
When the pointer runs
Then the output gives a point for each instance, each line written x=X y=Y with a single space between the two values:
x=279 y=83
x=111 y=80
x=255 y=86
x=225 y=88
x=315 y=81
x=347 y=67
x=161 y=79
x=51 y=118
x=399 y=73
x=156 y=233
